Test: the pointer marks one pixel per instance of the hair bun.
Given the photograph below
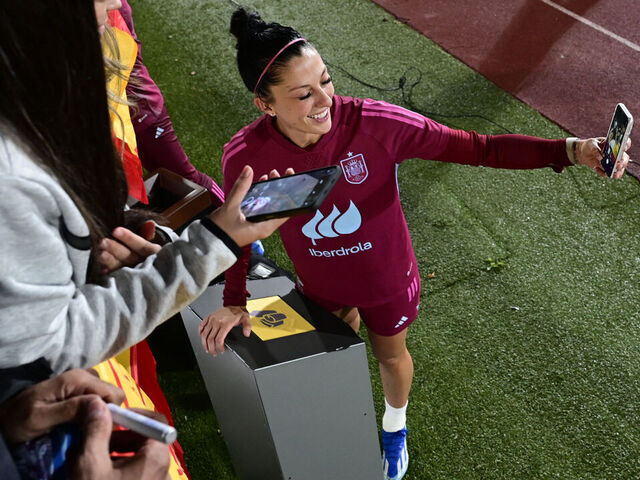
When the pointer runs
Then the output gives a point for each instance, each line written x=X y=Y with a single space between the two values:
x=246 y=24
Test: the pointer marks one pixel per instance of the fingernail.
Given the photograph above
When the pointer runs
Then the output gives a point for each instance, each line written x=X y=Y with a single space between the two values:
x=96 y=409
x=245 y=172
x=104 y=243
x=117 y=232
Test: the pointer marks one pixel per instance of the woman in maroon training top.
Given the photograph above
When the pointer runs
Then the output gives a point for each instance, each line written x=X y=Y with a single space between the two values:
x=354 y=255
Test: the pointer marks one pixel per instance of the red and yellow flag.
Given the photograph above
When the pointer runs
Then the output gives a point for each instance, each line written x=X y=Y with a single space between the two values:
x=121 y=125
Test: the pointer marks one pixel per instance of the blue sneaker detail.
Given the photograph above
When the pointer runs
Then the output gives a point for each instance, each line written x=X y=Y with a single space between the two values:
x=395 y=456
x=257 y=247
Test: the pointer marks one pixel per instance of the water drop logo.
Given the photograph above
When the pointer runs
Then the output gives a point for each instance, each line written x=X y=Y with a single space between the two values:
x=269 y=318
x=334 y=224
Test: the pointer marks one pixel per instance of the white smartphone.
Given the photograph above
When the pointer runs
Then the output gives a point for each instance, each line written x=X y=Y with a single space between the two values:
x=616 y=140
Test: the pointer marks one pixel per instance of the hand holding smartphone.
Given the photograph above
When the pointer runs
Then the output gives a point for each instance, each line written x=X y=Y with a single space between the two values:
x=616 y=140
x=291 y=195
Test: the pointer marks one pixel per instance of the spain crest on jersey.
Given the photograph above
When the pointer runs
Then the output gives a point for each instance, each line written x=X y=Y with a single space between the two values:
x=354 y=169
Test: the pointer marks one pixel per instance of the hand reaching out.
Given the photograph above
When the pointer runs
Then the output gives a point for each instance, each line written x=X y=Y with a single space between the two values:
x=589 y=153
x=230 y=219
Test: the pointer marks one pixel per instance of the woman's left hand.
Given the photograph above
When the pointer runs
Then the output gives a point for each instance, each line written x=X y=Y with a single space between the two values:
x=129 y=249
x=589 y=153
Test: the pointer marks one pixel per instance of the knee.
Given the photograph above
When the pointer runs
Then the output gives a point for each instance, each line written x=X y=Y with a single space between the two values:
x=392 y=360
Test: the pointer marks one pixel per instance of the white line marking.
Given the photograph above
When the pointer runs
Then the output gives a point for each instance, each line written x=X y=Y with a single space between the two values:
x=595 y=26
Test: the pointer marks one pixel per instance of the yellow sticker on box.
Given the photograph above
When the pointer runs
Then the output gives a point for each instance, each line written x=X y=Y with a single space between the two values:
x=272 y=317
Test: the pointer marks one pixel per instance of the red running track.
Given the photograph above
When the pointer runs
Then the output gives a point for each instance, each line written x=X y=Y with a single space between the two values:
x=572 y=70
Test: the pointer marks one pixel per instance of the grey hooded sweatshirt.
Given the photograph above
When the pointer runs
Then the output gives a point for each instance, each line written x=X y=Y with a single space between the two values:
x=46 y=307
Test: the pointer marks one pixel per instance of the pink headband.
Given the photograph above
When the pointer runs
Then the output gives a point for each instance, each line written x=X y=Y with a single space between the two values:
x=274 y=59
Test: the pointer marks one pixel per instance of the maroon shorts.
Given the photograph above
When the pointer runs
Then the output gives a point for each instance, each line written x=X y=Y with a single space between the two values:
x=388 y=318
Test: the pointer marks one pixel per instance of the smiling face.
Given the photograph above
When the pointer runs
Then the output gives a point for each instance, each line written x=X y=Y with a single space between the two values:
x=301 y=102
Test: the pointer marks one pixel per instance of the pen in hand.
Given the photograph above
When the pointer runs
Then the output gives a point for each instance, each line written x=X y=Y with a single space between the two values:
x=143 y=425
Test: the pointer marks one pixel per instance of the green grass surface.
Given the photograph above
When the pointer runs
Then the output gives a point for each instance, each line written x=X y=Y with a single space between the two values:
x=529 y=369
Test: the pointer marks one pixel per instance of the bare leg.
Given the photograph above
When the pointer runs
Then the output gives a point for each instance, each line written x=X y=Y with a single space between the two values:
x=396 y=366
x=350 y=316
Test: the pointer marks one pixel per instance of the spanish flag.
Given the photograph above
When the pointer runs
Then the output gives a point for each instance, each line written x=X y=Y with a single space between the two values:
x=121 y=126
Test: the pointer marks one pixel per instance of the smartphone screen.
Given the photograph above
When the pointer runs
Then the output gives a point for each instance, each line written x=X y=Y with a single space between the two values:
x=286 y=194
x=616 y=138
x=289 y=195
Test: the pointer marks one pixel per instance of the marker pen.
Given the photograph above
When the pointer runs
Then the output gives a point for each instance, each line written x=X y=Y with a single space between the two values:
x=143 y=425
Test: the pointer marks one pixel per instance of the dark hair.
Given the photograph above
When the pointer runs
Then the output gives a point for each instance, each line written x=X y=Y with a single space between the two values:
x=53 y=99
x=258 y=43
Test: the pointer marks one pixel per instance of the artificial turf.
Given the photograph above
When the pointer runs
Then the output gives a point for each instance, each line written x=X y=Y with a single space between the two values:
x=526 y=347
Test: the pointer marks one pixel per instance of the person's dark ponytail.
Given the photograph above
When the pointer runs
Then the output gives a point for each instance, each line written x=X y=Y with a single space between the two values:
x=257 y=44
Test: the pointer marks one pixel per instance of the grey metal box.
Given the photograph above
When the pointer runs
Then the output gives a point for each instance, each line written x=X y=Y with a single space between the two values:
x=294 y=408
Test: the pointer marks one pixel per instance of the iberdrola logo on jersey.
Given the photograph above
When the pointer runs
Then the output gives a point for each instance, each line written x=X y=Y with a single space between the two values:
x=334 y=224
x=354 y=169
